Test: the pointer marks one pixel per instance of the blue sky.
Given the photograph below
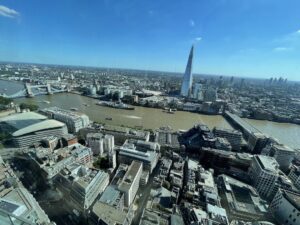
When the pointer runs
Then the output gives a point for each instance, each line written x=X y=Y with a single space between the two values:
x=251 y=38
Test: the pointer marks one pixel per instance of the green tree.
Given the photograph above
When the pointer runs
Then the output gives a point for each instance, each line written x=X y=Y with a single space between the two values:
x=4 y=101
x=30 y=106
x=101 y=163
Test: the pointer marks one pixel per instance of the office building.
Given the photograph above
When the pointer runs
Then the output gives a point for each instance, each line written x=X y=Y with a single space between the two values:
x=74 y=120
x=285 y=207
x=210 y=94
x=50 y=162
x=187 y=81
x=143 y=151
x=241 y=199
x=294 y=175
x=198 y=91
x=100 y=143
x=81 y=184
x=121 y=134
x=113 y=196
x=283 y=154
x=197 y=137
x=212 y=215
x=69 y=139
x=30 y=128
x=223 y=144
x=50 y=142
x=264 y=172
x=17 y=205
x=233 y=136
x=257 y=141
x=112 y=159
x=283 y=182
x=104 y=214
x=131 y=181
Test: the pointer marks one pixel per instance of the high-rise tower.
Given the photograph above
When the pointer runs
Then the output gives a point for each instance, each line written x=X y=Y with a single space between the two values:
x=187 y=81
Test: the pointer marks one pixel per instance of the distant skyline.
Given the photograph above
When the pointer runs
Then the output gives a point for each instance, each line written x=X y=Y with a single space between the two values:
x=257 y=38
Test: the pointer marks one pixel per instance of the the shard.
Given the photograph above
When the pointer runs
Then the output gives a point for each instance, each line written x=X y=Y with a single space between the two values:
x=187 y=81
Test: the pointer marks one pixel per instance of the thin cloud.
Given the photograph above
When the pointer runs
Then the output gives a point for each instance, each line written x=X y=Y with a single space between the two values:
x=287 y=42
x=197 y=39
x=192 y=23
x=282 y=49
x=7 y=12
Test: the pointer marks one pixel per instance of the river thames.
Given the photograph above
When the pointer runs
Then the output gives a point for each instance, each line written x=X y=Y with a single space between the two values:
x=142 y=117
x=150 y=118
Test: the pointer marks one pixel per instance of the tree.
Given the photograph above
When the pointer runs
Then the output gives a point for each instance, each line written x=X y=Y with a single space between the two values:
x=101 y=163
x=4 y=101
x=30 y=106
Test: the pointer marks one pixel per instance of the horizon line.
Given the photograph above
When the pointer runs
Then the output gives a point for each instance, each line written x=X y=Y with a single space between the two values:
x=144 y=70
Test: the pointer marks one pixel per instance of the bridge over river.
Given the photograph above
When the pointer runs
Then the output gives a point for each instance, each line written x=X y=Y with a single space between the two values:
x=30 y=90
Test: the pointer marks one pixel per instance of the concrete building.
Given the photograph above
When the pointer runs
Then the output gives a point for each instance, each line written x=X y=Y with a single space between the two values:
x=145 y=152
x=213 y=215
x=294 y=175
x=285 y=207
x=104 y=214
x=233 y=136
x=131 y=181
x=197 y=137
x=100 y=143
x=50 y=142
x=29 y=128
x=198 y=92
x=167 y=138
x=74 y=120
x=223 y=144
x=264 y=172
x=114 y=197
x=177 y=174
x=17 y=205
x=210 y=94
x=50 y=163
x=283 y=182
x=241 y=200
x=81 y=184
x=112 y=159
x=257 y=141
x=283 y=155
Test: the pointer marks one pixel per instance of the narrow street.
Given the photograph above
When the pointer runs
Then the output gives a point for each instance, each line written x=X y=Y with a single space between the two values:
x=145 y=191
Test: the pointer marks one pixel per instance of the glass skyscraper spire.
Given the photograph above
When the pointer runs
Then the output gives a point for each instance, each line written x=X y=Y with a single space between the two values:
x=187 y=81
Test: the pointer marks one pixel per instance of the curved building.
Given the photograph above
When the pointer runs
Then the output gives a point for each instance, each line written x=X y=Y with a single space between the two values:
x=30 y=127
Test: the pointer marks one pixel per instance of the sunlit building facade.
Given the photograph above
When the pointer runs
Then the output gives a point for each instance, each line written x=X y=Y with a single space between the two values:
x=187 y=82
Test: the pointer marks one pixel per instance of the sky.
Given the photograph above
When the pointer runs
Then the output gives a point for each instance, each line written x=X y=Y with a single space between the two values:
x=249 y=38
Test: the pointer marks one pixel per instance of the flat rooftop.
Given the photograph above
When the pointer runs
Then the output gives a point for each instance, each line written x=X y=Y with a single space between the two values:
x=283 y=148
x=109 y=214
x=111 y=195
x=130 y=175
x=267 y=163
x=293 y=198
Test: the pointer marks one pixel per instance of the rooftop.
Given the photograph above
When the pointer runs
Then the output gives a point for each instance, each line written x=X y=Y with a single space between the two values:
x=43 y=125
x=267 y=163
x=109 y=214
x=292 y=197
x=21 y=120
x=283 y=148
x=111 y=195
x=130 y=175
